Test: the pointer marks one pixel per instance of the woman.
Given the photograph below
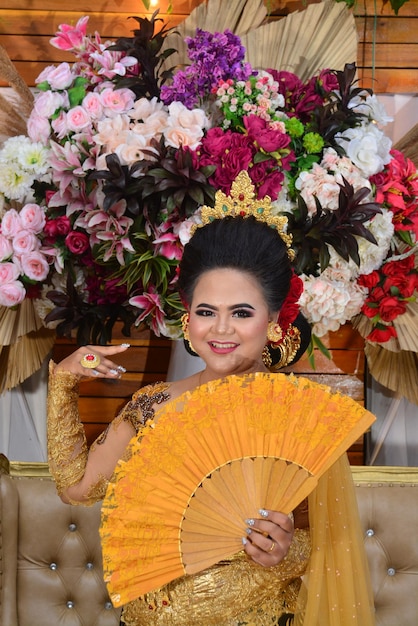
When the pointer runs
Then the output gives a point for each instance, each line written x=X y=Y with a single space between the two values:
x=234 y=278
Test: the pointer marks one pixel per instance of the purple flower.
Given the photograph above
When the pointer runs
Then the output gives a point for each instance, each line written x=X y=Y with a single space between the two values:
x=215 y=57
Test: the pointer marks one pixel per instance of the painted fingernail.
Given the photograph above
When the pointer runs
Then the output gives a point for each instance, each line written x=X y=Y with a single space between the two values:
x=244 y=541
x=95 y=372
x=248 y=531
x=122 y=369
x=114 y=372
x=249 y=522
x=263 y=512
x=126 y=345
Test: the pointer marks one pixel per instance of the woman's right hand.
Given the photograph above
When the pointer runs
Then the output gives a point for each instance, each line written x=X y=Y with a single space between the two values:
x=105 y=368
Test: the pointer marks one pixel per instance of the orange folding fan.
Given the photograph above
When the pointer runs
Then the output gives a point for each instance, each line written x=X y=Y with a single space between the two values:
x=213 y=459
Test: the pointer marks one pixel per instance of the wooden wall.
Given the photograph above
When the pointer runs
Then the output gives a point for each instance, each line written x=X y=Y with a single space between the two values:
x=27 y=25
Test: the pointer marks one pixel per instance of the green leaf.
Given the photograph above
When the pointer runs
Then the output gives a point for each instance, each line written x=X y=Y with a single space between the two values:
x=396 y=5
x=321 y=347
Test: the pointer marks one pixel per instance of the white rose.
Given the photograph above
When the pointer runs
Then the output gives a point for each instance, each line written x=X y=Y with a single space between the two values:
x=367 y=147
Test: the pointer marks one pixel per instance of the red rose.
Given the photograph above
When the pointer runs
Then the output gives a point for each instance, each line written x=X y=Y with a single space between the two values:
x=369 y=280
x=50 y=228
x=77 y=242
x=405 y=285
x=48 y=195
x=380 y=335
x=369 y=309
x=63 y=225
x=397 y=268
x=390 y=307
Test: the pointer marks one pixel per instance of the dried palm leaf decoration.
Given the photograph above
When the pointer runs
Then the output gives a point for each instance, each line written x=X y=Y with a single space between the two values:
x=321 y=36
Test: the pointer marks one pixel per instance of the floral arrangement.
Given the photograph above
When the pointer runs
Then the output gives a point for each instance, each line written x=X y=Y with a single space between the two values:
x=122 y=153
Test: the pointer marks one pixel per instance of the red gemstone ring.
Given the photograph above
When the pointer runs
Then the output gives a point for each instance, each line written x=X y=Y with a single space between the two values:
x=90 y=361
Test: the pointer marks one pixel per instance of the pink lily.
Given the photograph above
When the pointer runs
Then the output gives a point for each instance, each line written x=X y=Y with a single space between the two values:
x=71 y=38
x=152 y=306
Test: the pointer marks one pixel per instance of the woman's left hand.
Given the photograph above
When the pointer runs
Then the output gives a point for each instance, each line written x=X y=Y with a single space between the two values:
x=269 y=537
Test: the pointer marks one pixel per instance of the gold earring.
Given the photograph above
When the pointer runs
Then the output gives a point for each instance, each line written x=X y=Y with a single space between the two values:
x=274 y=332
x=185 y=329
x=287 y=348
x=266 y=357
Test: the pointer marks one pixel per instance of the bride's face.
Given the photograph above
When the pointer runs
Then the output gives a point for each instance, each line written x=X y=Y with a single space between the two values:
x=228 y=322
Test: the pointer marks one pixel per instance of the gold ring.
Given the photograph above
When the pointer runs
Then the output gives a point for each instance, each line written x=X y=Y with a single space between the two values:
x=90 y=361
x=273 y=545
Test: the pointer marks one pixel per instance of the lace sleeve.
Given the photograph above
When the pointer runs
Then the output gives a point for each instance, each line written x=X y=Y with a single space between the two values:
x=82 y=474
x=67 y=446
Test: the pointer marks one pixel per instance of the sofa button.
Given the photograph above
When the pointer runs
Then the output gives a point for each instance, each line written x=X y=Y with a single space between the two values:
x=108 y=606
x=89 y=565
x=70 y=604
x=370 y=532
x=53 y=566
x=391 y=571
x=72 y=527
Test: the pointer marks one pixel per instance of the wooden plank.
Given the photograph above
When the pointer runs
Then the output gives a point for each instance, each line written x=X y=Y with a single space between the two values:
x=389 y=80
x=394 y=56
x=135 y=7
x=367 y=7
x=388 y=29
x=107 y=24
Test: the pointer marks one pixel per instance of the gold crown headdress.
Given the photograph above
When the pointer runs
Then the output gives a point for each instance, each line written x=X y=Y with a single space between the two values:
x=242 y=201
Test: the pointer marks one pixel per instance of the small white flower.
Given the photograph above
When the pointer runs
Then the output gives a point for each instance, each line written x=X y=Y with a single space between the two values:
x=14 y=182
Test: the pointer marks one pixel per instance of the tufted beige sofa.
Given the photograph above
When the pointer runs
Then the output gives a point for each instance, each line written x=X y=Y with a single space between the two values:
x=50 y=561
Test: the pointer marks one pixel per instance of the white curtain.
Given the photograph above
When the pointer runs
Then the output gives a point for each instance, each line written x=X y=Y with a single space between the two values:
x=394 y=435
x=23 y=419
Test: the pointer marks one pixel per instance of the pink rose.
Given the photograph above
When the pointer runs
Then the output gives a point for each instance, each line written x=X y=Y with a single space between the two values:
x=78 y=119
x=77 y=242
x=9 y=273
x=328 y=80
x=32 y=217
x=12 y=294
x=59 y=77
x=93 y=105
x=48 y=102
x=10 y=223
x=25 y=241
x=35 y=266
x=216 y=142
x=38 y=127
x=268 y=139
x=6 y=249
x=272 y=185
x=116 y=101
x=59 y=125
x=232 y=164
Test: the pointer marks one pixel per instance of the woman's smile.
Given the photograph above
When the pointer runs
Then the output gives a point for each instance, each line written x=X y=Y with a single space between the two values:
x=222 y=348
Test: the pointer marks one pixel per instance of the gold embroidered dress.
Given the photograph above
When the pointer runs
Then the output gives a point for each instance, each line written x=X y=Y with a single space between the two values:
x=236 y=591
